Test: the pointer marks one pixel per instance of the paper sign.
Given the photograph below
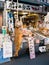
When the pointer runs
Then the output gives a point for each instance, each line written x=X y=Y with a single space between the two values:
x=7 y=49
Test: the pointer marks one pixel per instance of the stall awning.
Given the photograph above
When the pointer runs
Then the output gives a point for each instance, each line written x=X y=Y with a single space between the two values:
x=33 y=2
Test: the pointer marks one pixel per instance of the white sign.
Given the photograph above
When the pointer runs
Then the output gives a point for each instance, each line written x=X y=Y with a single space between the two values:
x=13 y=6
x=31 y=48
x=7 y=49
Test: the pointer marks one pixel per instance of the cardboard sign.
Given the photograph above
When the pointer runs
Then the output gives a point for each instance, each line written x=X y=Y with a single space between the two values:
x=7 y=49
x=31 y=48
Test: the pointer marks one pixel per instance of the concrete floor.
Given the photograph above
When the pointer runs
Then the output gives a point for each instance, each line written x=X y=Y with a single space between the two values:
x=41 y=59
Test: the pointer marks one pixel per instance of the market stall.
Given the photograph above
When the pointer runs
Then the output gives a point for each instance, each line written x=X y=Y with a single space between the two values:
x=24 y=23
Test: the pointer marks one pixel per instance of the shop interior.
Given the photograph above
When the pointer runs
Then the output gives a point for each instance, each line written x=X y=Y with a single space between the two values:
x=32 y=25
x=27 y=24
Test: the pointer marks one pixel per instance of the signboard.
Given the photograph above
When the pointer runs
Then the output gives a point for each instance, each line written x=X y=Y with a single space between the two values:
x=13 y=6
x=31 y=47
x=6 y=44
x=2 y=60
x=7 y=49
